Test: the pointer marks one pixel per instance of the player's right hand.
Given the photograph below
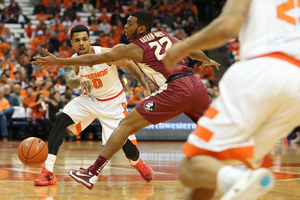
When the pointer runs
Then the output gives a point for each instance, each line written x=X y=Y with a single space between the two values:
x=42 y=62
x=86 y=84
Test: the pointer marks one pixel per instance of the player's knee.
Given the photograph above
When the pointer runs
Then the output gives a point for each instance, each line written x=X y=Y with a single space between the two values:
x=126 y=126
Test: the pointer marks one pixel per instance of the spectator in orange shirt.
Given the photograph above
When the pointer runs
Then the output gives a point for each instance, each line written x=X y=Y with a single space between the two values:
x=134 y=6
x=103 y=39
x=104 y=15
x=207 y=72
x=115 y=34
x=137 y=96
x=57 y=26
x=2 y=29
x=29 y=32
x=64 y=50
x=39 y=39
x=4 y=49
x=6 y=112
x=41 y=25
x=40 y=75
x=30 y=96
x=39 y=110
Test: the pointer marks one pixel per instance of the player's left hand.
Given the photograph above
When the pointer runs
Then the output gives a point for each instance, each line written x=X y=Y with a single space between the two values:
x=42 y=62
x=86 y=84
x=210 y=62
x=174 y=55
x=147 y=92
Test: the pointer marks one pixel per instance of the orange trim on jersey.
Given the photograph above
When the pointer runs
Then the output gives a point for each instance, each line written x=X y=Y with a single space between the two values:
x=211 y=112
x=111 y=97
x=203 y=133
x=282 y=56
x=78 y=128
x=238 y=153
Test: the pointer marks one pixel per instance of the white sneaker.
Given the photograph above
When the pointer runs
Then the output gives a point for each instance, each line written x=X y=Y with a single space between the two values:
x=252 y=185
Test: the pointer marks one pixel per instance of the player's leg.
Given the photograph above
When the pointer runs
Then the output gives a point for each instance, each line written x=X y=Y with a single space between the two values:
x=73 y=112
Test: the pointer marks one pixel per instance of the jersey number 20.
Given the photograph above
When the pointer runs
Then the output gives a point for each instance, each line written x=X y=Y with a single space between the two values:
x=158 y=45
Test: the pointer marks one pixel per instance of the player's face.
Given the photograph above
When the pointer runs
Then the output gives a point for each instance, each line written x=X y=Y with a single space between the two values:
x=131 y=28
x=81 y=42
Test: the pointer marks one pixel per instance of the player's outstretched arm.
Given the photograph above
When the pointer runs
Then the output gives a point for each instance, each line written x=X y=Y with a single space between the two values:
x=117 y=53
x=216 y=34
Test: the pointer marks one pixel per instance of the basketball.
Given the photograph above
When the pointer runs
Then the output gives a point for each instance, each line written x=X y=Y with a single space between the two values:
x=33 y=152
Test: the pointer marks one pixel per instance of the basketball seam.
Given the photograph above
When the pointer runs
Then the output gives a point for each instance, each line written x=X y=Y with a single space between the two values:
x=29 y=149
x=37 y=152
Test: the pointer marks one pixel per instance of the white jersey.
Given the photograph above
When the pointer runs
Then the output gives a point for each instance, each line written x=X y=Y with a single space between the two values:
x=104 y=77
x=271 y=26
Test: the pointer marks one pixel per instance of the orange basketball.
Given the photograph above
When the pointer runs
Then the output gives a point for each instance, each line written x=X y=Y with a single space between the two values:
x=33 y=152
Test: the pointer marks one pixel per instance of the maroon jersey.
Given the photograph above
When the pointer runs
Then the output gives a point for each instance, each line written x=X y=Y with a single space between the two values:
x=155 y=45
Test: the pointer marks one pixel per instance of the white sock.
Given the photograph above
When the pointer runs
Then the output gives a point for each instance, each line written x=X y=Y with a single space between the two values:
x=227 y=176
x=134 y=162
x=49 y=164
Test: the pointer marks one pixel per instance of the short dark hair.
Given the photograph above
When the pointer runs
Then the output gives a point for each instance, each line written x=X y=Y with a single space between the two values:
x=144 y=18
x=79 y=28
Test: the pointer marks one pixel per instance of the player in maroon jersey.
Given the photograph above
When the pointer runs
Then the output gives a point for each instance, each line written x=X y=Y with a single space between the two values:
x=180 y=91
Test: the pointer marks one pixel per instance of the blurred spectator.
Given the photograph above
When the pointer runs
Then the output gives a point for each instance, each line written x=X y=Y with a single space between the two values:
x=2 y=29
x=27 y=66
x=63 y=35
x=207 y=72
x=187 y=12
x=6 y=112
x=104 y=15
x=64 y=50
x=60 y=85
x=55 y=106
x=177 y=23
x=41 y=25
x=103 y=39
x=13 y=7
x=10 y=82
x=106 y=4
x=39 y=110
x=2 y=5
x=38 y=40
x=68 y=91
x=194 y=8
x=57 y=26
x=30 y=96
x=3 y=79
x=115 y=34
x=29 y=32
x=105 y=26
x=39 y=74
x=67 y=22
x=137 y=96
x=78 y=21
x=116 y=17
x=180 y=34
x=66 y=98
x=53 y=7
x=169 y=20
x=77 y=5
x=13 y=101
x=152 y=87
x=94 y=22
x=70 y=11
x=156 y=17
x=9 y=38
x=17 y=93
x=21 y=18
x=117 y=6
x=5 y=17
x=233 y=51
x=189 y=26
x=54 y=41
x=87 y=7
x=40 y=8
x=134 y=6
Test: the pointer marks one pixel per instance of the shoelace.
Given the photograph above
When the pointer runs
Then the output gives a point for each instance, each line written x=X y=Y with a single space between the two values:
x=143 y=169
x=42 y=174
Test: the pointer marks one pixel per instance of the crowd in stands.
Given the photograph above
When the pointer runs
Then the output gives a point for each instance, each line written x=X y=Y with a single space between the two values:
x=44 y=91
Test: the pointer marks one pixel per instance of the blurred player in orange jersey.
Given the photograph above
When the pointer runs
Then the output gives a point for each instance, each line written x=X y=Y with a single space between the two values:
x=248 y=118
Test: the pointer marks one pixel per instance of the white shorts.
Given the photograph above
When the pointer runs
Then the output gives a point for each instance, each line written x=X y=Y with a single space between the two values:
x=259 y=104
x=85 y=108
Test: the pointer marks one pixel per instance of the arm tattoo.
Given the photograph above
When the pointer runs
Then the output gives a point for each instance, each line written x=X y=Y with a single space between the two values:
x=71 y=79
x=138 y=76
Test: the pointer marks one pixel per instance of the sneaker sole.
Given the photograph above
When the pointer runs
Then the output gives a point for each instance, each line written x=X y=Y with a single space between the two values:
x=80 y=180
x=45 y=183
x=253 y=186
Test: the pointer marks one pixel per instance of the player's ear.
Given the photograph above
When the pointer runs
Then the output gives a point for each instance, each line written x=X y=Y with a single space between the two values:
x=142 y=29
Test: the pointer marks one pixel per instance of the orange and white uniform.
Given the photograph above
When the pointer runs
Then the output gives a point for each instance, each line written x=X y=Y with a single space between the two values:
x=259 y=95
x=107 y=100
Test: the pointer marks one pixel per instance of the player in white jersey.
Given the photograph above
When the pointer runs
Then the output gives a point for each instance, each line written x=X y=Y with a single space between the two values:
x=103 y=97
x=258 y=102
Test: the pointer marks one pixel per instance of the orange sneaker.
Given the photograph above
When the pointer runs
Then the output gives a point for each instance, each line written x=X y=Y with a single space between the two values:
x=145 y=170
x=45 y=178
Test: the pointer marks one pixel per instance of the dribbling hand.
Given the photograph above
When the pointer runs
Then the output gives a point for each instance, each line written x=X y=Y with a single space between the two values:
x=86 y=85
x=42 y=62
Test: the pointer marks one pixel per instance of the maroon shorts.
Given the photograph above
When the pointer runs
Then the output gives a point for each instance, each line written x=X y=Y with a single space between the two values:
x=185 y=95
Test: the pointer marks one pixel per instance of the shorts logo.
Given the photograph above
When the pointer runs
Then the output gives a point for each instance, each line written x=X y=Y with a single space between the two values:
x=149 y=106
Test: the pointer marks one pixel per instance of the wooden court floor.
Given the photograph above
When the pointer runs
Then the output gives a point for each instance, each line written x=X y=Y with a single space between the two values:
x=119 y=181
